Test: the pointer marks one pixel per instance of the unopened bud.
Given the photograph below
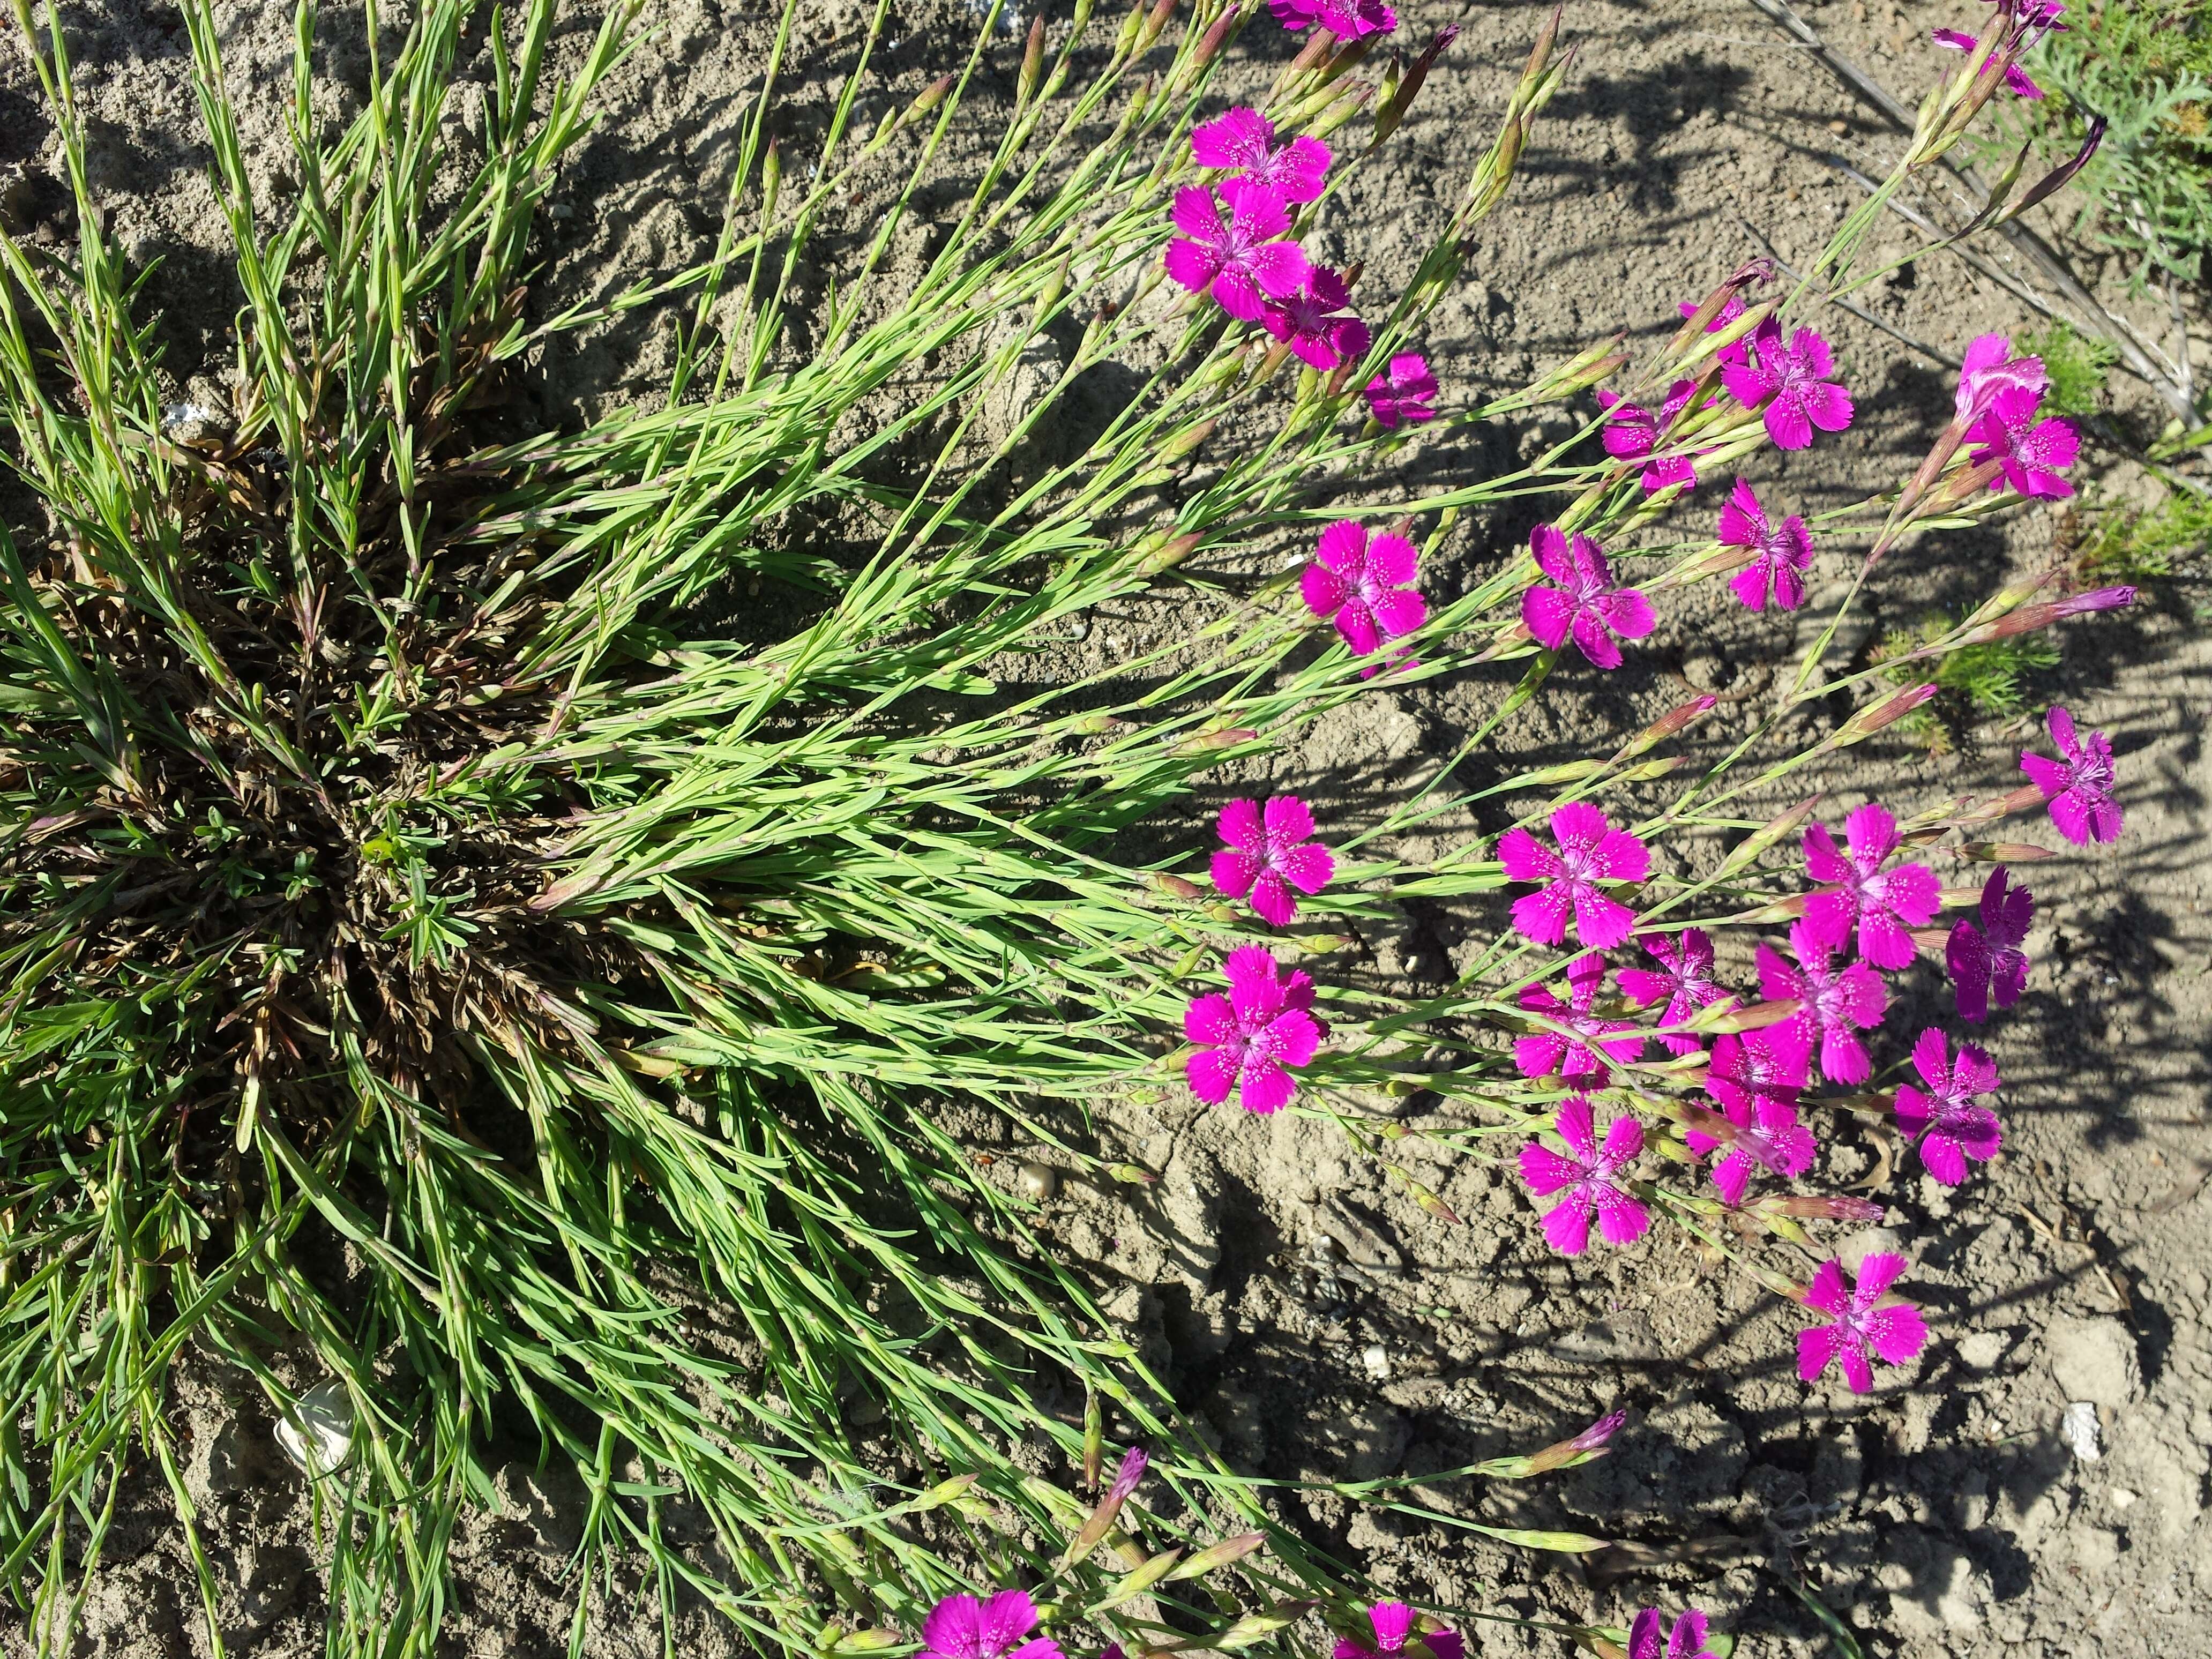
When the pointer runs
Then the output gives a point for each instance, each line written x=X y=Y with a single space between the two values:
x=771 y=180
x=1188 y=439
x=1807 y=1206
x=1674 y=720
x=930 y=97
x=1258 y=1626
x=1219 y=1555
x=1155 y=21
x=1138 y=1582
x=1032 y=62
x=2004 y=852
x=1749 y=851
x=1130 y=1175
x=1227 y=736
x=1757 y=1017
x=1400 y=99
x=2055 y=181
x=2029 y=617
x=1094 y=1439
x=1888 y=712
x=1170 y=554
x=1175 y=887
x=1210 y=42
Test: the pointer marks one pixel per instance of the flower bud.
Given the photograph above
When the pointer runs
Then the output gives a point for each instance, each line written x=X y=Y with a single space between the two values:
x=1870 y=721
x=1211 y=43
x=1667 y=725
x=928 y=98
x=1401 y=98
x=1188 y=439
x=1155 y=21
x=1130 y=1175
x=1807 y=1206
x=1169 y=555
x=1227 y=736
x=2029 y=617
x=1032 y=62
x=1748 y=850
x=1137 y=1581
x=1175 y=887
x=1219 y=1555
x=2004 y=852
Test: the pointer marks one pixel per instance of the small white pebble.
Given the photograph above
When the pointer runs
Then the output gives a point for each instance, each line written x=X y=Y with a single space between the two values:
x=1038 y=1182
x=2121 y=1497
x=2083 y=1432
x=1376 y=1358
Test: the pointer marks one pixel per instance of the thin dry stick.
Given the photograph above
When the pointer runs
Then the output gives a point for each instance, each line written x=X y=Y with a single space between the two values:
x=2133 y=350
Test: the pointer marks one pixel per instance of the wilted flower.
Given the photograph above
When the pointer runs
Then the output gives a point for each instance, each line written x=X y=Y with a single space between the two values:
x=2029 y=451
x=1987 y=963
x=1361 y=583
x=1782 y=553
x=1241 y=260
x=1134 y=1462
x=1684 y=977
x=1547 y=1054
x=1347 y=20
x=1687 y=1640
x=1881 y=904
x=1838 y=1002
x=1590 y=1175
x=1591 y=850
x=1271 y=856
x=1249 y=1039
x=1406 y=394
x=1790 y=381
x=1585 y=603
x=1861 y=1327
x=1392 y=1623
x=1315 y=321
x=961 y=1627
x=2079 y=786
x=2022 y=82
x=1949 y=1127
x=1244 y=139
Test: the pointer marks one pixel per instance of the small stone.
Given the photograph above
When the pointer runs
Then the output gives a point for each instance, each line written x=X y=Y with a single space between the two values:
x=2083 y=1432
x=317 y=1433
x=1376 y=1358
x=1841 y=128
x=2122 y=1498
x=1981 y=1350
x=1037 y=1181
x=1869 y=1241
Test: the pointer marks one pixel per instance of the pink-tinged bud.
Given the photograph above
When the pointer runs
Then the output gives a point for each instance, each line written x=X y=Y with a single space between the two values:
x=1032 y=61
x=1170 y=554
x=1540 y=53
x=1667 y=725
x=1748 y=852
x=1401 y=100
x=1868 y=721
x=1218 y=1555
x=1594 y=1437
x=1206 y=742
x=1753 y=271
x=1135 y=1461
x=1210 y=42
x=1315 y=48
x=1188 y=439
x=1757 y=1017
x=1156 y=21
x=1130 y=1175
x=1806 y=1207
x=1176 y=886
x=2029 y=617
x=929 y=98
x=2004 y=852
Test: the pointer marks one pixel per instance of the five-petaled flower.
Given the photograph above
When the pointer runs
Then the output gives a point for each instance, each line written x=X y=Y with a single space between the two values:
x=1590 y=851
x=1684 y=977
x=1315 y=322
x=1271 y=856
x=1943 y=1119
x=1244 y=139
x=1250 y=1039
x=1241 y=260
x=1880 y=904
x=1838 y=1002
x=961 y=1627
x=1861 y=1325
x=1790 y=384
x=1584 y=1056
x=1633 y=433
x=1585 y=603
x=1394 y=1637
x=2029 y=453
x=2079 y=786
x=1590 y=1176
x=1361 y=582
x=1987 y=963
x=1686 y=1641
x=1405 y=394
x=1347 y=20
x=1755 y=1079
x=1781 y=553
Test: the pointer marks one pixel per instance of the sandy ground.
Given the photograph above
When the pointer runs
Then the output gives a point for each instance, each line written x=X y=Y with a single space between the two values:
x=1316 y=1320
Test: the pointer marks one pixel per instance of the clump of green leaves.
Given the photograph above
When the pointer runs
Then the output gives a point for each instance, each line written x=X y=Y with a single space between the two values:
x=2078 y=365
x=1986 y=678
x=2124 y=544
x=2147 y=69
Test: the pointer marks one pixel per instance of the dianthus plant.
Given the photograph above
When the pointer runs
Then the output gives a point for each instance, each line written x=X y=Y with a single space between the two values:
x=445 y=969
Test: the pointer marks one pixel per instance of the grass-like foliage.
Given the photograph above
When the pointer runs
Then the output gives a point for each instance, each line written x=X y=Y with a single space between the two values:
x=436 y=962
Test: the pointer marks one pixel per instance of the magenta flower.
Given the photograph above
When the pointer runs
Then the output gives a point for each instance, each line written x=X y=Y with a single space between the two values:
x=1989 y=368
x=1632 y=433
x=1684 y=977
x=1590 y=1178
x=1839 y=1002
x=1347 y=20
x=1987 y=964
x=1242 y=260
x=1755 y=1079
x=1781 y=553
x=1271 y=856
x=1549 y=1054
x=1362 y=584
x=1315 y=322
x=1688 y=1640
x=1127 y=1474
x=1406 y=394
x=2030 y=452
x=1880 y=904
x=961 y=1627
x=1862 y=1324
x=1792 y=382
x=2022 y=82
x=2079 y=786
x=1251 y=1039
x=1585 y=603
x=1393 y=1622
x=1944 y=1119
x=1591 y=850
x=1244 y=139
